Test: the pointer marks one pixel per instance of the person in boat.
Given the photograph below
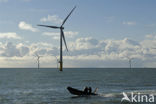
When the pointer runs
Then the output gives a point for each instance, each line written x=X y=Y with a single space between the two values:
x=90 y=90
x=86 y=90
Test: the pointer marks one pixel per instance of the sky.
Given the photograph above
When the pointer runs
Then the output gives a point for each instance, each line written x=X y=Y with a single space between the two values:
x=99 y=33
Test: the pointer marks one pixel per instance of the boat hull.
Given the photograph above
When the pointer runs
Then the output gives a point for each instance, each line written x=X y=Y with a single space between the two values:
x=78 y=92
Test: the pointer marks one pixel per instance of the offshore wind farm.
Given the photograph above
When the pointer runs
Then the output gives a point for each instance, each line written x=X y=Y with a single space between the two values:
x=110 y=58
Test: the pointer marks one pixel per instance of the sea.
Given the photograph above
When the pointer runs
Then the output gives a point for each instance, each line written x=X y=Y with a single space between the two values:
x=49 y=85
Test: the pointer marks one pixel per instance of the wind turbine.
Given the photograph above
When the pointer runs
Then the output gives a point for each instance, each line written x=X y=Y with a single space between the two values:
x=130 y=62
x=57 y=61
x=61 y=37
x=38 y=60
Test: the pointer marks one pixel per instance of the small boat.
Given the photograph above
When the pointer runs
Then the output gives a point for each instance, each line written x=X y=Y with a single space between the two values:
x=79 y=92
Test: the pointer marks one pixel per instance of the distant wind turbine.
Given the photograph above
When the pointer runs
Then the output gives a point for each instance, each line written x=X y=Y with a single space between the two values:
x=38 y=60
x=61 y=36
x=130 y=62
x=57 y=60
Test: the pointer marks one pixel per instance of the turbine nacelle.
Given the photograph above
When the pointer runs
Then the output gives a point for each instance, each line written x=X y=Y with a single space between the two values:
x=61 y=27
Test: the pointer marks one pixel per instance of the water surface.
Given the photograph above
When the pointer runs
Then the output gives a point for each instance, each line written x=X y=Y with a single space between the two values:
x=48 y=86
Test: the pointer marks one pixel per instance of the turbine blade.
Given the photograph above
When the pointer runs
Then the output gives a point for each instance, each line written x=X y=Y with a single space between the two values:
x=64 y=39
x=55 y=27
x=68 y=16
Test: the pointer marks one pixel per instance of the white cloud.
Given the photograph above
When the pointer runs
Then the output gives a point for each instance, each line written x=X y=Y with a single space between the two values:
x=149 y=42
x=10 y=50
x=70 y=34
x=84 y=52
x=53 y=35
x=23 y=50
x=84 y=43
x=24 y=26
x=149 y=36
x=54 y=19
x=129 y=23
x=56 y=35
x=9 y=35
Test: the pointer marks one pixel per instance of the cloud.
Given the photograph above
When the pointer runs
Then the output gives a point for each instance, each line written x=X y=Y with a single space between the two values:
x=129 y=23
x=43 y=49
x=56 y=35
x=106 y=49
x=24 y=26
x=149 y=42
x=11 y=50
x=23 y=50
x=9 y=35
x=70 y=34
x=130 y=42
x=151 y=36
x=54 y=19
x=83 y=52
x=84 y=43
x=53 y=35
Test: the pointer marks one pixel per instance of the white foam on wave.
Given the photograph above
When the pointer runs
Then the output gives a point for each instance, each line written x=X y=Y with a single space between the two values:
x=110 y=95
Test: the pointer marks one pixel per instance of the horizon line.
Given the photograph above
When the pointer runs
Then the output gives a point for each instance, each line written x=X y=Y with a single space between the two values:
x=79 y=68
